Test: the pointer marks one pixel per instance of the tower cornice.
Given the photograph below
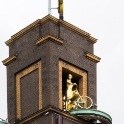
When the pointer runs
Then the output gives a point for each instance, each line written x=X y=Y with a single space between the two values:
x=92 y=57
x=9 y=60
x=48 y=110
x=54 y=20
x=48 y=36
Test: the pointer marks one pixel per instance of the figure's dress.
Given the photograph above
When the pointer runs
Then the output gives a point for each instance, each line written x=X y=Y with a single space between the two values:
x=70 y=93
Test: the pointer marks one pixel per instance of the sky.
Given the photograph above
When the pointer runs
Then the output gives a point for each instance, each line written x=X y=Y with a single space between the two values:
x=103 y=19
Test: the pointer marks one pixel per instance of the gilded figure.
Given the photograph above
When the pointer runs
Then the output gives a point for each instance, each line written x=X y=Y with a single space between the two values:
x=72 y=93
x=74 y=99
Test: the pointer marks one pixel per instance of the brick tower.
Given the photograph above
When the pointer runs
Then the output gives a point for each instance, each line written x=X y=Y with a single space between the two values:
x=40 y=58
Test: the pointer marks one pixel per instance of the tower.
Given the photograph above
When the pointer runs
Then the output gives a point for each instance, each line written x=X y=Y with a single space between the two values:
x=40 y=58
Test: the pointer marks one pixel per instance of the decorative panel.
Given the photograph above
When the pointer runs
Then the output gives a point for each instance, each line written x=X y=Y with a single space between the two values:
x=82 y=82
x=28 y=90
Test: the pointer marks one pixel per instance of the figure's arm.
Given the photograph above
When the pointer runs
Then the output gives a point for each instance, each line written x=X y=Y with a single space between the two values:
x=69 y=81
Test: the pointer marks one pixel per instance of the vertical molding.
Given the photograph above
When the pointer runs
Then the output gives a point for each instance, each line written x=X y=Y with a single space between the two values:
x=60 y=85
x=18 y=106
x=40 y=85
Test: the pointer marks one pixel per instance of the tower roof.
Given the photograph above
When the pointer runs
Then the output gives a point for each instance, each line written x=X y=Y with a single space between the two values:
x=54 y=20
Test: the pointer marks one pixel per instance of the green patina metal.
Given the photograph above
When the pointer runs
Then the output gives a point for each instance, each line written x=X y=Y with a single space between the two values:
x=2 y=122
x=91 y=114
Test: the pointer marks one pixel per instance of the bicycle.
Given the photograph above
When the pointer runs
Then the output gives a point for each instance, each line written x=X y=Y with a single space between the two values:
x=84 y=102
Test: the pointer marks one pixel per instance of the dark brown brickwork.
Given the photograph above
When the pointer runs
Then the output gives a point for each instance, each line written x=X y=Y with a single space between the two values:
x=43 y=119
x=72 y=51
x=68 y=121
x=54 y=118
x=29 y=93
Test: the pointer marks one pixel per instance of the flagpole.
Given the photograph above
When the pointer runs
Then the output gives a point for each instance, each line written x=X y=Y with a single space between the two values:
x=49 y=7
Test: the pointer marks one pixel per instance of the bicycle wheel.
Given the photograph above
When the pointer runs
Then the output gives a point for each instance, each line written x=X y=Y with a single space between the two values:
x=84 y=102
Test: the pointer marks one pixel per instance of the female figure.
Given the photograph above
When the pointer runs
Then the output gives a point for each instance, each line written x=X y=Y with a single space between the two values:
x=71 y=95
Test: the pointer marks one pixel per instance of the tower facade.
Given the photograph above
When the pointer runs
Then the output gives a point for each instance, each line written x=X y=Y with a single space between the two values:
x=40 y=58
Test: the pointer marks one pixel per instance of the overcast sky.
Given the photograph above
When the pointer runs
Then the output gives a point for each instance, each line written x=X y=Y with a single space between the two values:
x=103 y=19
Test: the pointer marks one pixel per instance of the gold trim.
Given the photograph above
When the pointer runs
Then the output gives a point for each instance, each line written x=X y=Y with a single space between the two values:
x=40 y=85
x=92 y=39
x=9 y=59
x=92 y=57
x=22 y=32
x=74 y=28
x=18 y=78
x=44 y=38
x=82 y=82
x=54 y=20
x=79 y=31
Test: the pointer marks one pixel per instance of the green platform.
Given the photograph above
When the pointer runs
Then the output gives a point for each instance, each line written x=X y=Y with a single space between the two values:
x=88 y=114
x=2 y=122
